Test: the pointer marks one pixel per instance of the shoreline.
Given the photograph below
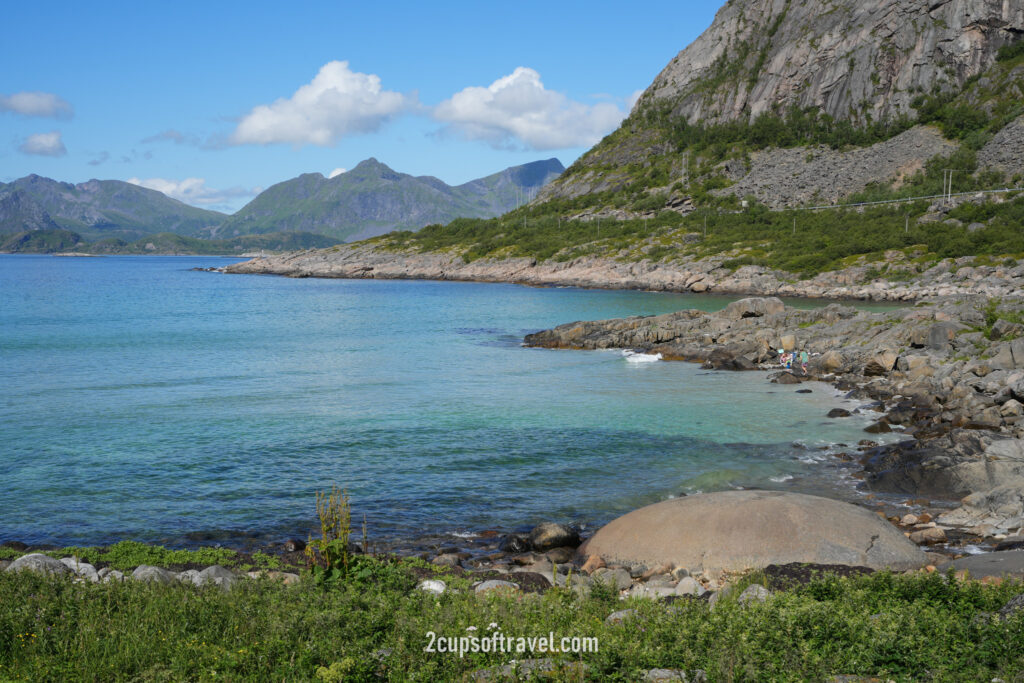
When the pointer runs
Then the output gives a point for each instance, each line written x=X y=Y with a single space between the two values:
x=943 y=278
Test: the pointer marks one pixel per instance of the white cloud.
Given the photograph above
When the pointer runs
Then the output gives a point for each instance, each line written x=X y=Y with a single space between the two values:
x=336 y=103
x=42 y=104
x=44 y=144
x=337 y=172
x=195 y=192
x=519 y=108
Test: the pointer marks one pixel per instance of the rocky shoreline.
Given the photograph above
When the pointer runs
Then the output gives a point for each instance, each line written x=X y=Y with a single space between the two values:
x=943 y=278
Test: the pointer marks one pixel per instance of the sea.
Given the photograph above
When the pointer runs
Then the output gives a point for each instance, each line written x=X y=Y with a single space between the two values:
x=143 y=399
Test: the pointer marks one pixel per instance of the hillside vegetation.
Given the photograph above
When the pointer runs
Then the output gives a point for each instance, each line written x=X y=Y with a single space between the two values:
x=658 y=188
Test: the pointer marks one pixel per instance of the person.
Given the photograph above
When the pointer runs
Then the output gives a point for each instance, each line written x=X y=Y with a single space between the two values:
x=804 y=357
x=782 y=357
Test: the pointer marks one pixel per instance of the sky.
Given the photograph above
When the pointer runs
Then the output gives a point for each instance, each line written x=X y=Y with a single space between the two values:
x=213 y=102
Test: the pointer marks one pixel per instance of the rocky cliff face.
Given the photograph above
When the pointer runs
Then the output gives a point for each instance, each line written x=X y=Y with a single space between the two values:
x=858 y=60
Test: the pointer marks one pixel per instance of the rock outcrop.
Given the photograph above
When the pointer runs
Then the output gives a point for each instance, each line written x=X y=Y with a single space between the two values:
x=856 y=60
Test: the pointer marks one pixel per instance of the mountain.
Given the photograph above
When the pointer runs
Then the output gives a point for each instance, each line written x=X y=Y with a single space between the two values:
x=20 y=212
x=823 y=80
x=373 y=199
x=103 y=208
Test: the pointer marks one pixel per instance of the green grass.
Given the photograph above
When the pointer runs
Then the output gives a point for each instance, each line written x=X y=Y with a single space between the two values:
x=127 y=555
x=373 y=626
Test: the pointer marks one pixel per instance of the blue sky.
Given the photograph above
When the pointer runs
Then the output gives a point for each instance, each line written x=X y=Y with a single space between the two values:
x=211 y=102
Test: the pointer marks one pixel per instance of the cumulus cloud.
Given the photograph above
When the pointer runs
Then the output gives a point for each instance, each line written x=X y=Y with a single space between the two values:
x=336 y=103
x=195 y=192
x=43 y=104
x=518 y=109
x=337 y=172
x=44 y=144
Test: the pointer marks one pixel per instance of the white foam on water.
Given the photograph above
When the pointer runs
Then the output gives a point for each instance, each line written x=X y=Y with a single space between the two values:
x=975 y=550
x=462 y=534
x=781 y=479
x=634 y=357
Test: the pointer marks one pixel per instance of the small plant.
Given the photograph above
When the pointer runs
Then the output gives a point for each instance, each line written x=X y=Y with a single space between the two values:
x=329 y=555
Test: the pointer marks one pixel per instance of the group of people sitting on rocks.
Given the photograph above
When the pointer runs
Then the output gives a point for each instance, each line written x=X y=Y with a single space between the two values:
x=787 y=359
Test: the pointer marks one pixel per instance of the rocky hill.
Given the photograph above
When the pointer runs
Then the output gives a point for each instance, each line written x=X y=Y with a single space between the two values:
x=862 y=60
x=373 y=199
x=98 y=209
x=785 y=74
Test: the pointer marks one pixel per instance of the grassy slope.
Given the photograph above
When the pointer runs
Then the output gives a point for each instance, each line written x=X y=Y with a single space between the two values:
x=373 y=625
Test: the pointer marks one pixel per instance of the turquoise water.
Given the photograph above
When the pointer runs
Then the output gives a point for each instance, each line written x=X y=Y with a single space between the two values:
x=145 y=400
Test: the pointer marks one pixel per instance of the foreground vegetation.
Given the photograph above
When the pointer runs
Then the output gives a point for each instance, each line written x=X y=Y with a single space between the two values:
x=373 y=625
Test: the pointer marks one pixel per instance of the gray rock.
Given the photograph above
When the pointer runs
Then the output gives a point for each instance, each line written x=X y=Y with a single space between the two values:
x=112 y=575
x=620 y=616
x=37 y=562
x=81 y=569
x=146 y=572
x=495 y=585
x=753 y=308
x=618 y=578
x=1012 y=607
x=689 y=586
x=189 y=576
x=550 y=535
x=219 y=576
x=447 y=560
x=434 y=586
x=753 y=593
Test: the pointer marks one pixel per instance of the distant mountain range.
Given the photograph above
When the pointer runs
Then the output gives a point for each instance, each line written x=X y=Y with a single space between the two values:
x=373 y=199
x=308 y=211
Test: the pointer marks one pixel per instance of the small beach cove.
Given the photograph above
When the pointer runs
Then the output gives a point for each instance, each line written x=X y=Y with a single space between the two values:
x=190 y=408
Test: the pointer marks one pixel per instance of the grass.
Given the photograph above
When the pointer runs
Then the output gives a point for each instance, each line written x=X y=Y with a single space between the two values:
x=130 y=554
x=373 y=626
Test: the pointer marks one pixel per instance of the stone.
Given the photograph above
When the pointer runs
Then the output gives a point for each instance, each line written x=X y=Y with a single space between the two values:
x=294 y=545
x=1013 y=606
x=496 y=586
x=880 y=427
x=561 y=555
x=592 y=564
x=753 y=593
x=550 y=535
x=689 y=586
x=435 y=586
x=617 y=578
x=82 y=569
x=788 y=342
x=112 y=575
x=786 y=378
x=37 y=562
x=146 y=572
x=753 y=308
x=830 y=362
x=217 y=575
x=620 y=616
x=640 y=590
x=189 y=576
x=838 y=412
x=909 y=520
x=880 y=364
x=738 y=530
x=447 y=560
x=514 y=543
x=928 y=536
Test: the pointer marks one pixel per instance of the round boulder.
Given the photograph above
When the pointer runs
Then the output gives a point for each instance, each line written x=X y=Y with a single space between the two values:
x=37 y=562
x=550 y=535
x=737 y=530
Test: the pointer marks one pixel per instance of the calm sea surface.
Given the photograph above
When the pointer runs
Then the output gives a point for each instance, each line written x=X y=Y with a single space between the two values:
x=140 y=399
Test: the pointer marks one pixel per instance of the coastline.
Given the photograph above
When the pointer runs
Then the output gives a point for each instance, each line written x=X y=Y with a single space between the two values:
x=943 y=278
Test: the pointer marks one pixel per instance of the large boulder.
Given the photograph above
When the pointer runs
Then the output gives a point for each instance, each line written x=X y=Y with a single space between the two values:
x=753 y=308
x=548 y=535
x=37 y=562
x=736 y=530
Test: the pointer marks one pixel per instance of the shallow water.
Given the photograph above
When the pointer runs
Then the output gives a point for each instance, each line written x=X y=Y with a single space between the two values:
x=144 y=400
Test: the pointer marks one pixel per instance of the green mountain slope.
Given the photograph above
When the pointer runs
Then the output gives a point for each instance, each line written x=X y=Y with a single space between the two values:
x=109 y=208
x=373 y=199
